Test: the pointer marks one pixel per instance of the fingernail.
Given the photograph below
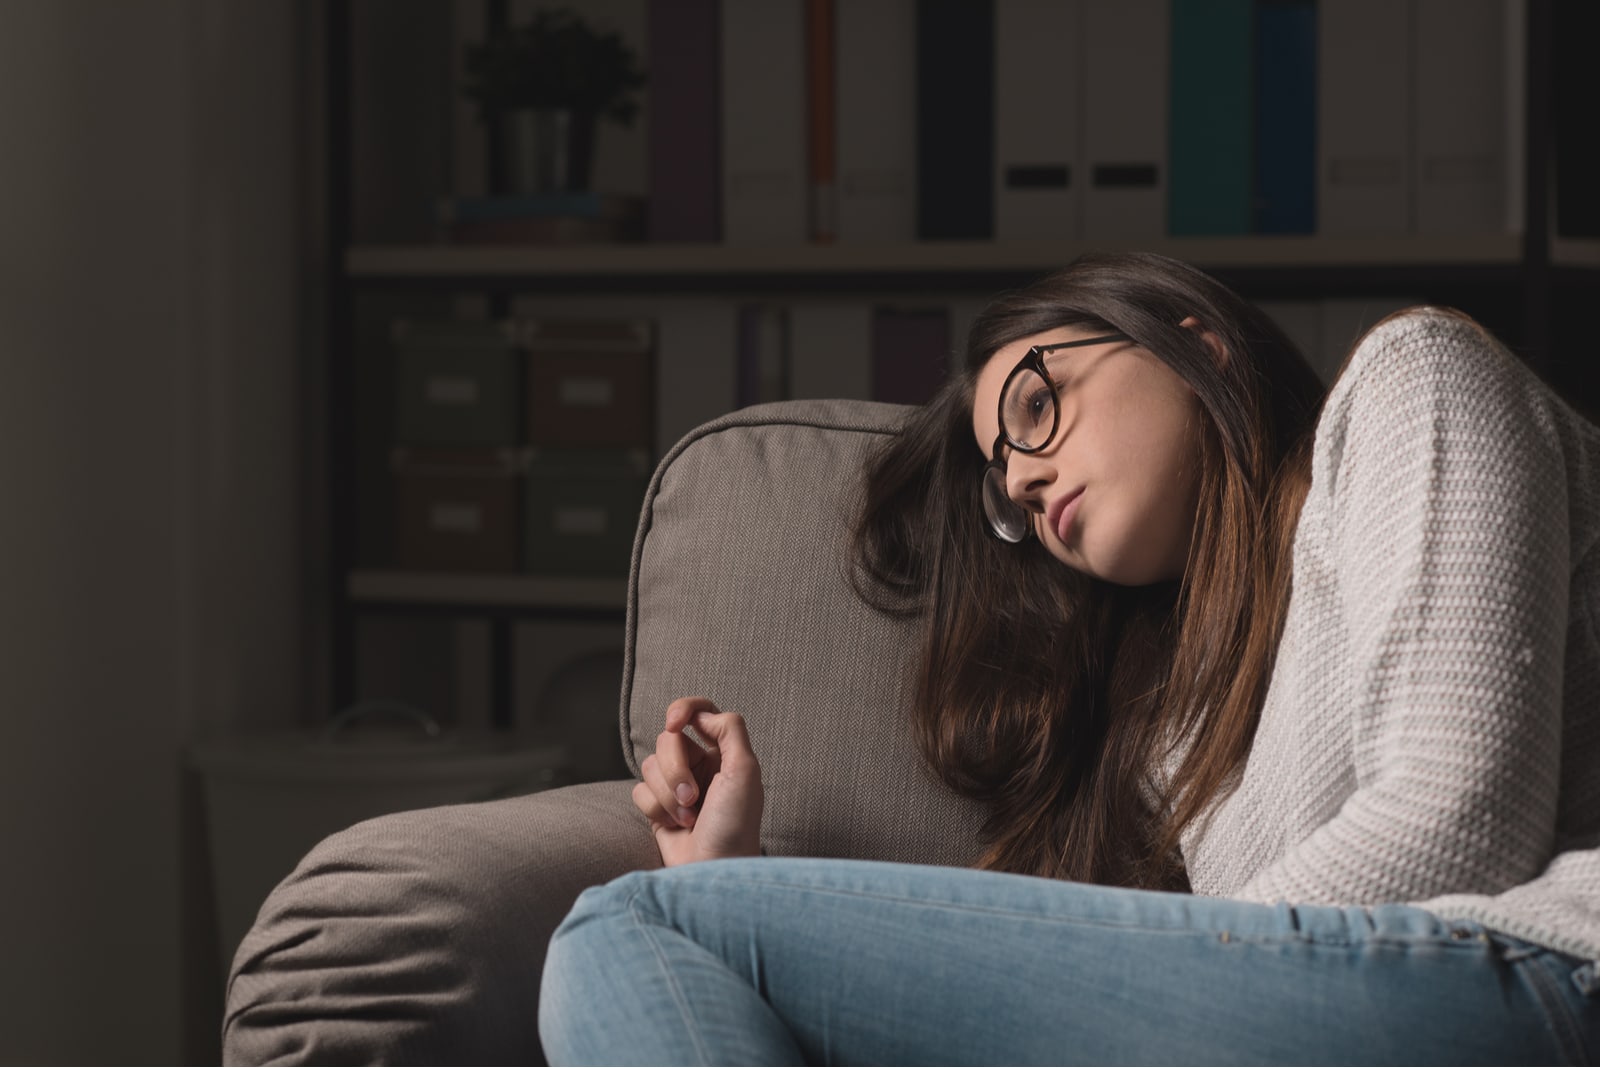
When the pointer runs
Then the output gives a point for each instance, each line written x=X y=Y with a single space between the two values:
x=685 y=793
x=686 y=817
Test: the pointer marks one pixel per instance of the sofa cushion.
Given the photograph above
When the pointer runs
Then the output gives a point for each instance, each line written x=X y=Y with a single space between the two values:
x=740 y=592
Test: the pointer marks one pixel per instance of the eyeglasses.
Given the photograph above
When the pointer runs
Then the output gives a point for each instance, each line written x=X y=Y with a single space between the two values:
x=1030 y=414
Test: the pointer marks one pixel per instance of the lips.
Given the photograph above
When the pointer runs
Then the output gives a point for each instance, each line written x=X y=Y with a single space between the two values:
x=1061 y=513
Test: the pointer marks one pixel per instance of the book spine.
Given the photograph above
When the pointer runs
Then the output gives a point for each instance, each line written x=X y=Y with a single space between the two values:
x=955 y=65
x=763 y=355
x=1212 y=104
x=1459 y=166
x=1577 y=86
x=876 y=113
x=1038 y=136
x=685 y=176
x=910 y=353
x=762 y=49
x=822 y=133
x=1126 y=71
x=1364 y=108
x=1286 y=117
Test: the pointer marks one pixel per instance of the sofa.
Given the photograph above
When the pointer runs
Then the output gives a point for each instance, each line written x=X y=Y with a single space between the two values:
x=420 y=936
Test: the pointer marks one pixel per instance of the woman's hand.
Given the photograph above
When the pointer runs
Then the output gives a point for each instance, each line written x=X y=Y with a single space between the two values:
x=703 y=804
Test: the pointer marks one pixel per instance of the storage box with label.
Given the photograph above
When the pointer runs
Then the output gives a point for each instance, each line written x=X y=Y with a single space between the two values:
x=456 y=382
x=591 y=382
x=582 y=508
x=456 y=509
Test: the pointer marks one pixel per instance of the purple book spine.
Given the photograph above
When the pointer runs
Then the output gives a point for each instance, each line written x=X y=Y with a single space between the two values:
x=910 y=354
x=685 y=191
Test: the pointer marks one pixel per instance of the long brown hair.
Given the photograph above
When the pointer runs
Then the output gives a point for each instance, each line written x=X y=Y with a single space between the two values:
x=1096 y=722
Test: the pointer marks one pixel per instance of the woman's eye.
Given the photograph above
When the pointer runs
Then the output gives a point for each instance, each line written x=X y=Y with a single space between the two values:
x=1038 y=406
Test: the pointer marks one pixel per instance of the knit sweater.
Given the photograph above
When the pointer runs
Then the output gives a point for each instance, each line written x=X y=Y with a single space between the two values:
x=1431 y=731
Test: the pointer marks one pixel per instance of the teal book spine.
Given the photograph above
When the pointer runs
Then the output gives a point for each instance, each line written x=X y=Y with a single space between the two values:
x=1211 y=146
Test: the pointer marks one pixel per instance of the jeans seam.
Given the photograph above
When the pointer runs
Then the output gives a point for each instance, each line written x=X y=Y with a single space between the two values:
x=637 y=911
x=1546 y=991
x=1288 y=936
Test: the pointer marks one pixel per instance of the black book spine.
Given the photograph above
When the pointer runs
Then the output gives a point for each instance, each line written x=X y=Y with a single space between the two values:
x=955 y=120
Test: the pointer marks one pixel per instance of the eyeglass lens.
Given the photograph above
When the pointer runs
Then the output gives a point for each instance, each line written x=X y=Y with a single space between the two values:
x=1028 y=409
x=1008 y=519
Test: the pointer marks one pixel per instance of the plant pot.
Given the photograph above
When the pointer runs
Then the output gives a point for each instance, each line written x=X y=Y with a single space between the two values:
x=547 y=150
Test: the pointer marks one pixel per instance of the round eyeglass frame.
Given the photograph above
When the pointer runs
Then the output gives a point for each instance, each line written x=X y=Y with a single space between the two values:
x=1008 y=520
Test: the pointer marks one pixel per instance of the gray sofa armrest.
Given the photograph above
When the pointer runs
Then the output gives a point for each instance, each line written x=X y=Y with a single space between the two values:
x=420 y=936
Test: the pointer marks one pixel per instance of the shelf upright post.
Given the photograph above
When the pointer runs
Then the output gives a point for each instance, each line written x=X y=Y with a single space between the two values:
x=1539 y=139
x=341 y=385
x=502 y=669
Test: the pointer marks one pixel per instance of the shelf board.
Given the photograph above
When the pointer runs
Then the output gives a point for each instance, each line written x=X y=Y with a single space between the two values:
x=1575 y=252
x=493 y=590
x=689 y=261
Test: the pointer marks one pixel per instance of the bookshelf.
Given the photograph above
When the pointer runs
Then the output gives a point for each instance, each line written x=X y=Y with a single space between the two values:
x=652 y=265
x=1533 y=288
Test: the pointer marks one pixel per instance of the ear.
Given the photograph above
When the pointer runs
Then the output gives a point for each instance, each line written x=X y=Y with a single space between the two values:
x=1219 y=351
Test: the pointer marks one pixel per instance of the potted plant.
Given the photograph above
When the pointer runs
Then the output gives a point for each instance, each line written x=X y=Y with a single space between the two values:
x=548 y=82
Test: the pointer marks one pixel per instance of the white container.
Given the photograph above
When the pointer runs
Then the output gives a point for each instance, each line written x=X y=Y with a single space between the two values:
x=270 y=798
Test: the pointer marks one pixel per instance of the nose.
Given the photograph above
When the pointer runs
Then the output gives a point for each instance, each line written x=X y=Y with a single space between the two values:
x=1027 y=477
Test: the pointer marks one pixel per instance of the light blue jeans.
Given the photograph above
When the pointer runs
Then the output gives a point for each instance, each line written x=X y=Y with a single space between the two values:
x=772 y=961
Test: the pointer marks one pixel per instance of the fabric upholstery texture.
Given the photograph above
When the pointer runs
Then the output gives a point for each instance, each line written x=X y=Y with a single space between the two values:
x=742 y=595
x=420 y=937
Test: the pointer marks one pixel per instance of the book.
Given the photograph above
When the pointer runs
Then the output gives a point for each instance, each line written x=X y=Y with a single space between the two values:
x=1286 y=117
x=1577 y=85
x=821 y=133
x=762 y=358
x=685 y=176
x=1212 y=130
x=764 y=174
x=1364 y=112
x=955 y=69
x=910 y=353
x=1039 y=173
x=1459 y=151
x=875 y=73
x=1125 y=119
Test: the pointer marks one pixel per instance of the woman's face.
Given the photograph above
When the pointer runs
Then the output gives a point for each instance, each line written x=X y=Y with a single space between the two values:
x=1114 y=493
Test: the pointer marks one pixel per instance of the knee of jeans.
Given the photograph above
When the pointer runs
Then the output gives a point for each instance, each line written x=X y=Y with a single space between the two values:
x=604 y=902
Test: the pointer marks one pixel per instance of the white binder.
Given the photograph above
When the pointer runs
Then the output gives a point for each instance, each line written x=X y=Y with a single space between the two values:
x=1364 y=104
x=1459 y=165
x=1039 y=173
x=1125 y=119
x=876 y=118
x=763 y=101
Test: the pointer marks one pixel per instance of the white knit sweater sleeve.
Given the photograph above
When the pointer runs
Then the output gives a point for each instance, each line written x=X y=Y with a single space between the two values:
x=1441 y=556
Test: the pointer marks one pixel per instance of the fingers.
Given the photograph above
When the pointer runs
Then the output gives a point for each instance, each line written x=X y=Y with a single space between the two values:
x=684 y=709
x=659 y=799
x=675 y=777
x=644 y=799
x=727 y=733
x=682 y=768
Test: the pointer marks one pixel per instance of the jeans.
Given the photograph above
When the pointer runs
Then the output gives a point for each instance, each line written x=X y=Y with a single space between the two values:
x=774 y=961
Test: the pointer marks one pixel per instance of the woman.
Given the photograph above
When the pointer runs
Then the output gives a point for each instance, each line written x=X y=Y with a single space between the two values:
x=1297 y=711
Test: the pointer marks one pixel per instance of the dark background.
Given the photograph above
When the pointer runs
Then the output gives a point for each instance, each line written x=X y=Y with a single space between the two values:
x=164 y=544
